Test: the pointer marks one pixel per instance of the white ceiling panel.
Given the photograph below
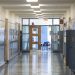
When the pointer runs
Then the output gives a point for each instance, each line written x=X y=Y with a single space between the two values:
x=47 y=7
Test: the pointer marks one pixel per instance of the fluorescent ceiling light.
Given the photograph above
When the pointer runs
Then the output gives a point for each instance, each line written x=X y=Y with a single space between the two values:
x=34 y=13
x=28 y=5
x=37 y=11
x=41 y=16
x=35 y=6
x=32 y=0
x=38 y=14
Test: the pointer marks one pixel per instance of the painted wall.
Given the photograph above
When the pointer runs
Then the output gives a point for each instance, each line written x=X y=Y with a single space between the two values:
x=5 y=14
x=70 y=17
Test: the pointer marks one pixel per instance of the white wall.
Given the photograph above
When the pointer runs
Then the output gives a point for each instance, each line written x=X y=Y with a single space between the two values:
x=5 y=14
x=70 y=14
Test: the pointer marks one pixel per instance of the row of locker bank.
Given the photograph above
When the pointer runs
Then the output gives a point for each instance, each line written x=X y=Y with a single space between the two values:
x=67 y=47
x=9 y=40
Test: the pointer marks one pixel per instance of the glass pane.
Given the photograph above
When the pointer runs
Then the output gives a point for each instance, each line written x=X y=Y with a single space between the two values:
x=41 y=21
x=35 y=38
x=35 y=46
x=55 y=37
x=35 y=30
x=55 y=46
x=1 y=55
x=54 y=29
x=44 y=35
x=25 y=37
x=55 y=21
x=25 y=21
x=25 y=45
x=25 y=29
x=1 y=35
x=35 y=21
x=50 y=21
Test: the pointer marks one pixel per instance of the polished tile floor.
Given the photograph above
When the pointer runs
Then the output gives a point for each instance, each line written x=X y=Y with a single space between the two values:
x=35 y=63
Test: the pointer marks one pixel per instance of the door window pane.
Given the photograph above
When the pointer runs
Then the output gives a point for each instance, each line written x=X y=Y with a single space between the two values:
x=35 y=38
x=35 y=30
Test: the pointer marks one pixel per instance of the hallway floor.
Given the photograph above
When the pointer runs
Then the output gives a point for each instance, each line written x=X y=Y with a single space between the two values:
x=35 y=63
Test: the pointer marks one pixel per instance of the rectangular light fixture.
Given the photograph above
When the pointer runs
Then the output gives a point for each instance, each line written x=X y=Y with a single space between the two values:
x=38 y=14
x=28 y=5
x=37 y=11
x=35 y=6
x=32 y=0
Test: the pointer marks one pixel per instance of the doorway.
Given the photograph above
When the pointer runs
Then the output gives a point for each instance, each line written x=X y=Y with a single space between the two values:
x=39 y=37
x=35 y=37
x=45 y=37
x=48 y=35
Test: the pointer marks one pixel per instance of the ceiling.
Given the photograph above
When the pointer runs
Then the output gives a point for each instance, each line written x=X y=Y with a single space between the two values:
x=47 y=8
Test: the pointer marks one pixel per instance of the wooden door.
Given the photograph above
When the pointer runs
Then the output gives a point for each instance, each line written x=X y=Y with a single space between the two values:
x=35 y=37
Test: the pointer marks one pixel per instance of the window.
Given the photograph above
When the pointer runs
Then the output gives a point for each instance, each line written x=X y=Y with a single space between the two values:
x=41 y=21
x=25 y=21
x=25 y=29
x=55 y=21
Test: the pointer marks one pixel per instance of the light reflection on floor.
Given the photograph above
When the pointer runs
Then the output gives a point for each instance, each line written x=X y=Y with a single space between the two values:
x=35 y=63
